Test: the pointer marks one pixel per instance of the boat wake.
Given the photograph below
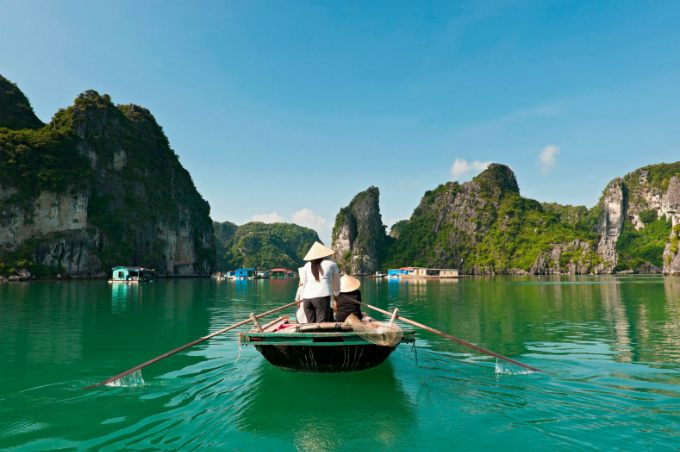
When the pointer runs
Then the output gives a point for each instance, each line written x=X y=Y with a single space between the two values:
x=129 y=381
x=506 y=368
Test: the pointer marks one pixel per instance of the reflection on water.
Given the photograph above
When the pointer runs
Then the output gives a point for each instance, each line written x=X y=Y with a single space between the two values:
x=613 y=343
x=120 y=296
x=313 y=411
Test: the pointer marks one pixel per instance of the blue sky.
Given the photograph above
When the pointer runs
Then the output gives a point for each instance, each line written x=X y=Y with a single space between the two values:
x=286 y=110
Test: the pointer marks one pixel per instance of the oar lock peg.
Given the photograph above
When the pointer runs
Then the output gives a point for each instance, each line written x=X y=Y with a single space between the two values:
x=257 y=324
x=395 y=315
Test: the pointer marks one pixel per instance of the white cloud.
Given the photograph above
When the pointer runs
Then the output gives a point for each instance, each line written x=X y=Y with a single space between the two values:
x=548 y=158
x=268 y=217
x=307 y=218
x=461 y=167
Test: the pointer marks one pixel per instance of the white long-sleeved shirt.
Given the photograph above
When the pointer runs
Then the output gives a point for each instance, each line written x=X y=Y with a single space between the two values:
x=328 y=283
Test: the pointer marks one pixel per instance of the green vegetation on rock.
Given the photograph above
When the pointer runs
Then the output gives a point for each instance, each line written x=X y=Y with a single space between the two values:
x=141 y=202
x=262 y=245
x=485 y=226
x=397 y=227
x=15 y=109
x=635 y=247
x=566 y=214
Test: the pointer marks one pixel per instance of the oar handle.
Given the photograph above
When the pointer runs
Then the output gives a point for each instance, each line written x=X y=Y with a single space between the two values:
x=447 y=336
x=190 y=344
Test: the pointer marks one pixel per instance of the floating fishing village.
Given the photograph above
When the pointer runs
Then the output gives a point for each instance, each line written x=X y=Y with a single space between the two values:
x=339 y=226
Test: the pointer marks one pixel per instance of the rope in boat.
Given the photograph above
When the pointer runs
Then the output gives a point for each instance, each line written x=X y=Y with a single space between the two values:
x=415 y=352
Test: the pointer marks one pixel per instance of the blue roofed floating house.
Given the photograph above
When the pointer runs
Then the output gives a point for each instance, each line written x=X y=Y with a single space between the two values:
x=399 y=271
x=132 y=274
x=245 y=273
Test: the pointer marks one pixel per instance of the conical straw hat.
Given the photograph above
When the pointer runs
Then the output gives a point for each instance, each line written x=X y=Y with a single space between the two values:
x=318 y=251
x=349 y=283
x=303 y=275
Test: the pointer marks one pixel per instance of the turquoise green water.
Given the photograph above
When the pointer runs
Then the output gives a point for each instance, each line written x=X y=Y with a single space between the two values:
x=613 y=343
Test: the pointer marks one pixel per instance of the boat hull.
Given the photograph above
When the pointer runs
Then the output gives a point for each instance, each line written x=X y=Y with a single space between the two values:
x=329 y=359
x=320 y=348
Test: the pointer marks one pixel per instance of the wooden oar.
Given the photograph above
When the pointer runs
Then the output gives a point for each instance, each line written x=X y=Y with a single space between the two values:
x=447 y=336
x=190 y=344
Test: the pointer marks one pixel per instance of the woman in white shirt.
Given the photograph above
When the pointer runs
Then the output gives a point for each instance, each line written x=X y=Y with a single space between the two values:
x=322 y=279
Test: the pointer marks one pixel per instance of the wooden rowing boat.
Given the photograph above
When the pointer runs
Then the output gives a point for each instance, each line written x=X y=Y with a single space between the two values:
x=317 y=347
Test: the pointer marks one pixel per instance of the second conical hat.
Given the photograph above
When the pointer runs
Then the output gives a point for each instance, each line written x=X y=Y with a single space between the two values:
x=318 y=251
x=349 y=283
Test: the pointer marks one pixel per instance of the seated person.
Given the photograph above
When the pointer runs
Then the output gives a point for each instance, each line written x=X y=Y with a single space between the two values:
x=300 y=311
x=349 y=287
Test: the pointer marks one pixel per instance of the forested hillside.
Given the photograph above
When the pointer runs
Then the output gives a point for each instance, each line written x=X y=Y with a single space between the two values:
x=263 y=245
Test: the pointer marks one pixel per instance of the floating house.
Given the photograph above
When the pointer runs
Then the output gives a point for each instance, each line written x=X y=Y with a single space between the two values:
x=422 y=272
x=133 y=274
x=418 y=271
x=399 y=271
x=245 y=273
x=447 y=272
x=230 y=274
x=278 y=273
x=291 y=274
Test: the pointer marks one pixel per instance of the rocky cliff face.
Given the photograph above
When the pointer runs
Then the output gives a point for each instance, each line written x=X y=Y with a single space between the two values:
x=267 y=246
x=485 y=227
x=99 y=186
x=670 y=206
x=610 y=224
x=636 y=218
x=359 y=237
